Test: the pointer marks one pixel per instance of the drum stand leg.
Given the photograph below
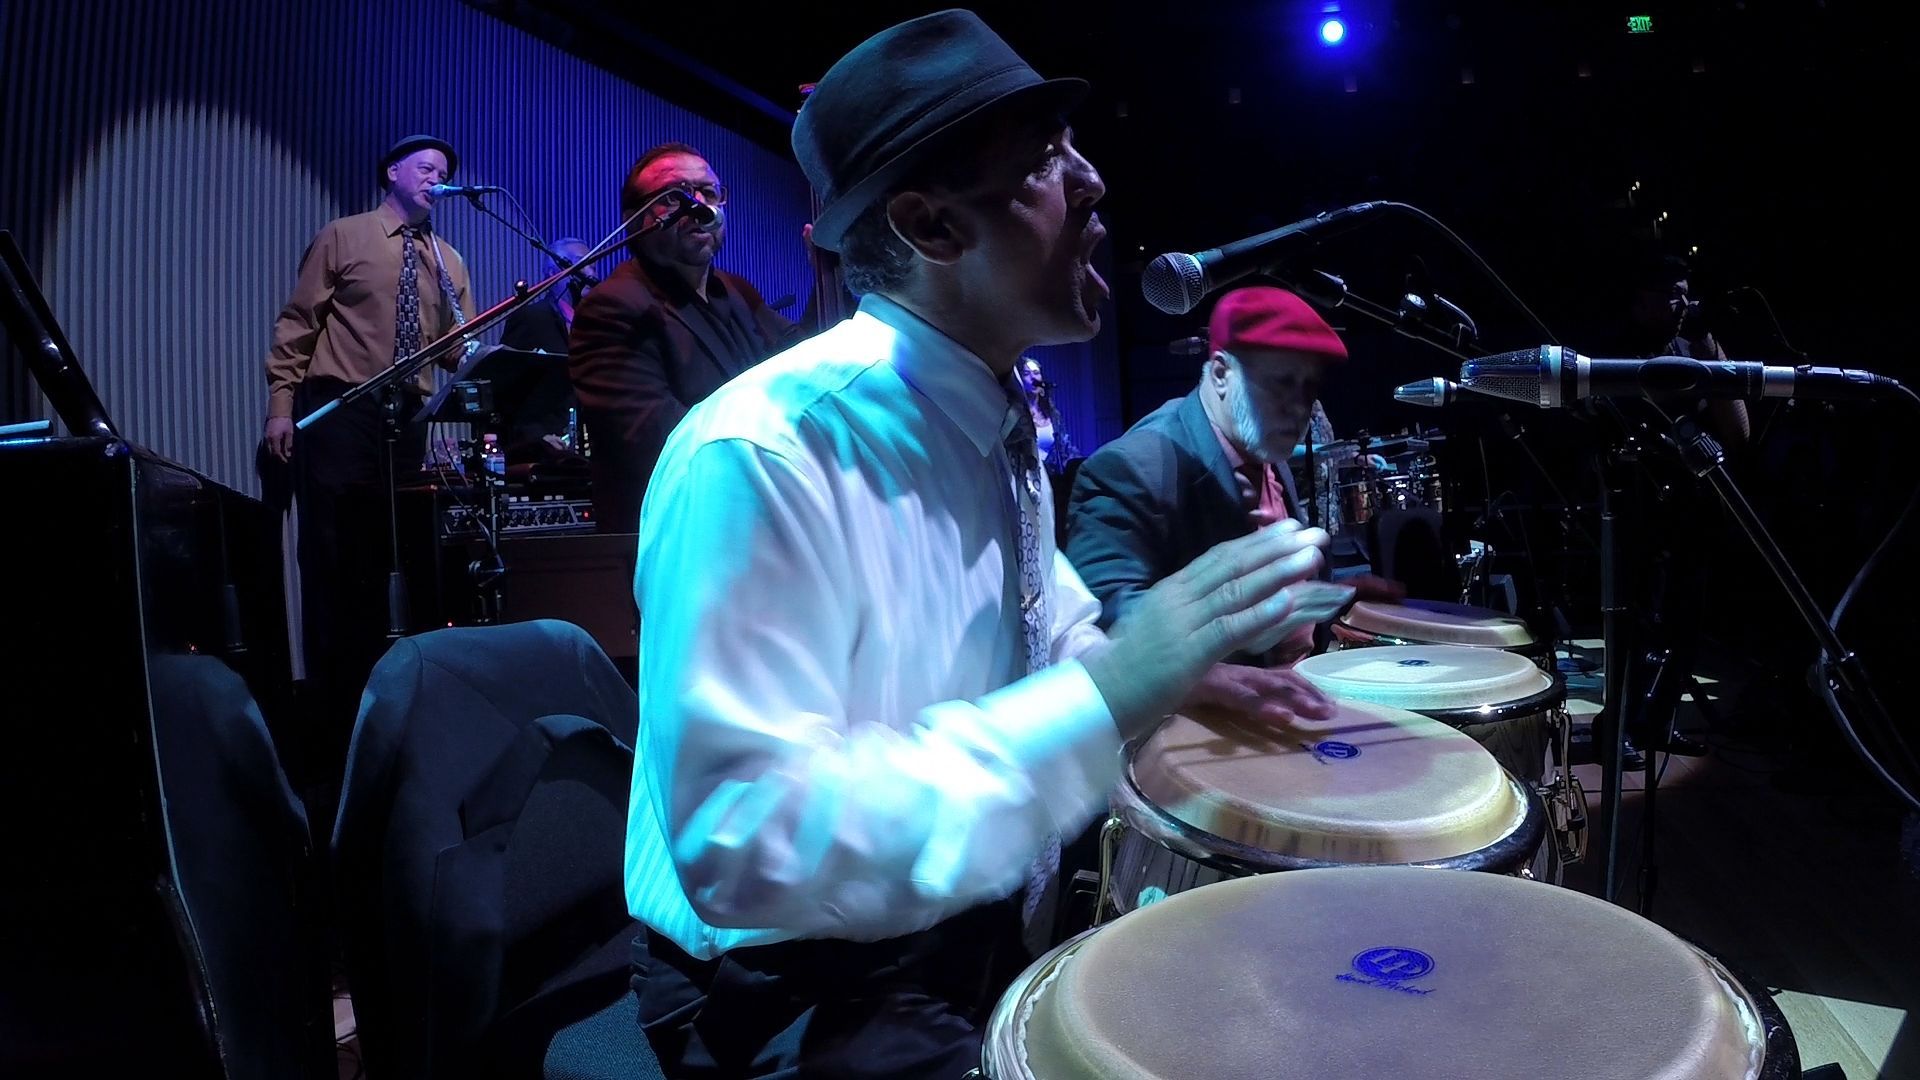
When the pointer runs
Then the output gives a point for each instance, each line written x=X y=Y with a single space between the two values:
x=1610 y=729
x=1566 y=801
x=1110 y=835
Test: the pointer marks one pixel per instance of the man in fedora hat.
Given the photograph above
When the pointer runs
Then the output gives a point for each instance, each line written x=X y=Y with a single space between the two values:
x=372 y=289
x=872 y=695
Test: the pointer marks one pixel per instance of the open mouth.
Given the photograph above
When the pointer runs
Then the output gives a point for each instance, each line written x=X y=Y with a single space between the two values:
x=1097 y=291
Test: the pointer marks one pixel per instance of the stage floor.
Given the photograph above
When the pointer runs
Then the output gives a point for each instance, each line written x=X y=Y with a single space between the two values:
x=1797 y=878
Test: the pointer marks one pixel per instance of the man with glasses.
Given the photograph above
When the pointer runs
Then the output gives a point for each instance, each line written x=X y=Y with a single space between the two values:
x=662 y=332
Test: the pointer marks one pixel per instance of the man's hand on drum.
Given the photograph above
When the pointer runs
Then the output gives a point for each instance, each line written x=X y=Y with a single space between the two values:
x=1241 y=595
x=1274 y=697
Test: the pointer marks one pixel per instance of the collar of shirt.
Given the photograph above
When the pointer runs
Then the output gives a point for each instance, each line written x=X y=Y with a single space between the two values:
x=958 y=382
x=1235 y=460
x=391 y=222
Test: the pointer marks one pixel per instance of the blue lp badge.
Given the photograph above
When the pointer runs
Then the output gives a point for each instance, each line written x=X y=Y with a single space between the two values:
x=1330 y=750
x=1390 y=968
x=1416 y=662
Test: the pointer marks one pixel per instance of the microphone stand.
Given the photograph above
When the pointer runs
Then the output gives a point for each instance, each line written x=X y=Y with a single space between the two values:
x=387 y=384
x=539 y=245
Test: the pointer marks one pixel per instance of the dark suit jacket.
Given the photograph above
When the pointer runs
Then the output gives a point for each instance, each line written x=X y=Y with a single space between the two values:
x=639 y=360
x=1151 y=501
x=479 y=844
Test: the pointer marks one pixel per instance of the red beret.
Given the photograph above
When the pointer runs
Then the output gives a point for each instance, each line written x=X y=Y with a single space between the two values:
x=1263 y=317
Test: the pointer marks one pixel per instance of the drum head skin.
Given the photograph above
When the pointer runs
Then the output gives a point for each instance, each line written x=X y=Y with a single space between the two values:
x=1387 y=973
x=1426 y=677
x=1370 y=784
x=1440 y=623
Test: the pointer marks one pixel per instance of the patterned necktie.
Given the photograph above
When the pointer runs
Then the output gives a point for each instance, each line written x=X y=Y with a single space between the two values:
x=406 y=308
x=1036 y=623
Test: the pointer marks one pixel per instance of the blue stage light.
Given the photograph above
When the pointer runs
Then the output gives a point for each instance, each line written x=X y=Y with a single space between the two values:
x=1332 y=32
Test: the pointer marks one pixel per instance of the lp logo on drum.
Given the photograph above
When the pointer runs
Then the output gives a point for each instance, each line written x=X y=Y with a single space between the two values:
x=1329 y=750
x=1390 y=968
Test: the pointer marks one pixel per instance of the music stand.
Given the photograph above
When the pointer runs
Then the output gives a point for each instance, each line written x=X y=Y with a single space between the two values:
x=511 y=373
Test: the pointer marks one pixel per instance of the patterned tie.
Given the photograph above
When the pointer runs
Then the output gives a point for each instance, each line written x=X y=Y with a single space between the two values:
x=1036 y=619
x=406 y=328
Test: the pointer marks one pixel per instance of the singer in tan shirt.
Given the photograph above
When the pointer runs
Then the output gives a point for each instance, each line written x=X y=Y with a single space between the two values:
x=340 y=320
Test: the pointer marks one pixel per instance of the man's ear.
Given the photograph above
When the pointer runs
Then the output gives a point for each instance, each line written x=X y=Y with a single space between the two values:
x=1216 y=372
x=929 y=226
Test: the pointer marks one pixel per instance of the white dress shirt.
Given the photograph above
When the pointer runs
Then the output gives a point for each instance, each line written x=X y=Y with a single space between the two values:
x=833 y=741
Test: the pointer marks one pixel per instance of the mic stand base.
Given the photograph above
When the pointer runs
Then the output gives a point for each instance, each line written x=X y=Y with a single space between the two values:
x=1840 y=665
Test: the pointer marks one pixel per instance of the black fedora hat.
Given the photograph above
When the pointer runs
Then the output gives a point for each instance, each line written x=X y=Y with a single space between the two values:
x=419 y=142
x=876 y=112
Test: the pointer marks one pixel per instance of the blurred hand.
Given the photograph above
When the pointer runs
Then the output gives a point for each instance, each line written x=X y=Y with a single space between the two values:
x=279 y=437
x=1231 y=598
x=1275 y=697
x=1379 y=589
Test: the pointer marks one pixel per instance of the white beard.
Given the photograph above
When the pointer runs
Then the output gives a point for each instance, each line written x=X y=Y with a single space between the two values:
x=1247 y=430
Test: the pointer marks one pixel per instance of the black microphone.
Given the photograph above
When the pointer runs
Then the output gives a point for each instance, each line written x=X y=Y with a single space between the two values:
x=704 y=216
x=1553 y=376
x=1188 y=346
x=441 y=191
x=1432 y=393
x=1176 y=282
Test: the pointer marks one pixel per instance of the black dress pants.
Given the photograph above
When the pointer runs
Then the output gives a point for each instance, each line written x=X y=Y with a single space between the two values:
x=908 y=1008
x=345 y=546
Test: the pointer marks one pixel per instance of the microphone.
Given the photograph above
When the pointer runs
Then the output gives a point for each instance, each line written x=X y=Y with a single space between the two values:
x=441 y=191
x=1553 y=377
x=1431 y=393
x=707 y=218
x=1176 y=282
x=1188 y=346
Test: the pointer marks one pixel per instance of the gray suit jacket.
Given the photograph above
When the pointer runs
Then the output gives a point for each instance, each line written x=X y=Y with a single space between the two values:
x=1148 y=503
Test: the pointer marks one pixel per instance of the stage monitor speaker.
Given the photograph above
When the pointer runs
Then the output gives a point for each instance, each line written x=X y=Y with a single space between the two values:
x=585 y=579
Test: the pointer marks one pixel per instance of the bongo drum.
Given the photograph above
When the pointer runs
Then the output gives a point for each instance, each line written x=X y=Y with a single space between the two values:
x=1435 y=622
x=1500 y=699
x=1203 y=801
x=1394 y=973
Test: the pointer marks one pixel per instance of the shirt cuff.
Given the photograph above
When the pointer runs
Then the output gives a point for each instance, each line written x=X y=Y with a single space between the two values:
x=280 y=404
x=1056 y=723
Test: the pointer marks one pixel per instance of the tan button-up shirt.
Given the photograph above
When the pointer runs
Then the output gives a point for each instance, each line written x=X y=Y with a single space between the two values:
x=340 y=319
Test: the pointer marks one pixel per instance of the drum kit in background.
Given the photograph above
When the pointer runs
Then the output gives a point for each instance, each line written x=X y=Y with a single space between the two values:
x=1274 y=902
x=1353 y=488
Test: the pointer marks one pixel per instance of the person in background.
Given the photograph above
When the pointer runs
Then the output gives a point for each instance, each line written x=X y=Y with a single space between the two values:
x=1056 y=446
x=372 y=289
x=540 y=421
x=663 y=331
x=1210 y=466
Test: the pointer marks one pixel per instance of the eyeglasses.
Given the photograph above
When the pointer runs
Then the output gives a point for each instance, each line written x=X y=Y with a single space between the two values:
x=710 y=194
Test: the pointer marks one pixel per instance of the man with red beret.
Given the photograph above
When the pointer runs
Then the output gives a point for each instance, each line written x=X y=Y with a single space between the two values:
x=1209 y=467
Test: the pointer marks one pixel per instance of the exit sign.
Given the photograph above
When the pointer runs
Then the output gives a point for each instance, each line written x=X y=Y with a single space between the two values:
x=1639 y=24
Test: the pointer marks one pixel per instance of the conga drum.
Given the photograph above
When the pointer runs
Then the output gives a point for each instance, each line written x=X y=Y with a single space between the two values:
x=1501 y=699
x=1205 y=800
x=1435 y=622
x=1388 y=973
